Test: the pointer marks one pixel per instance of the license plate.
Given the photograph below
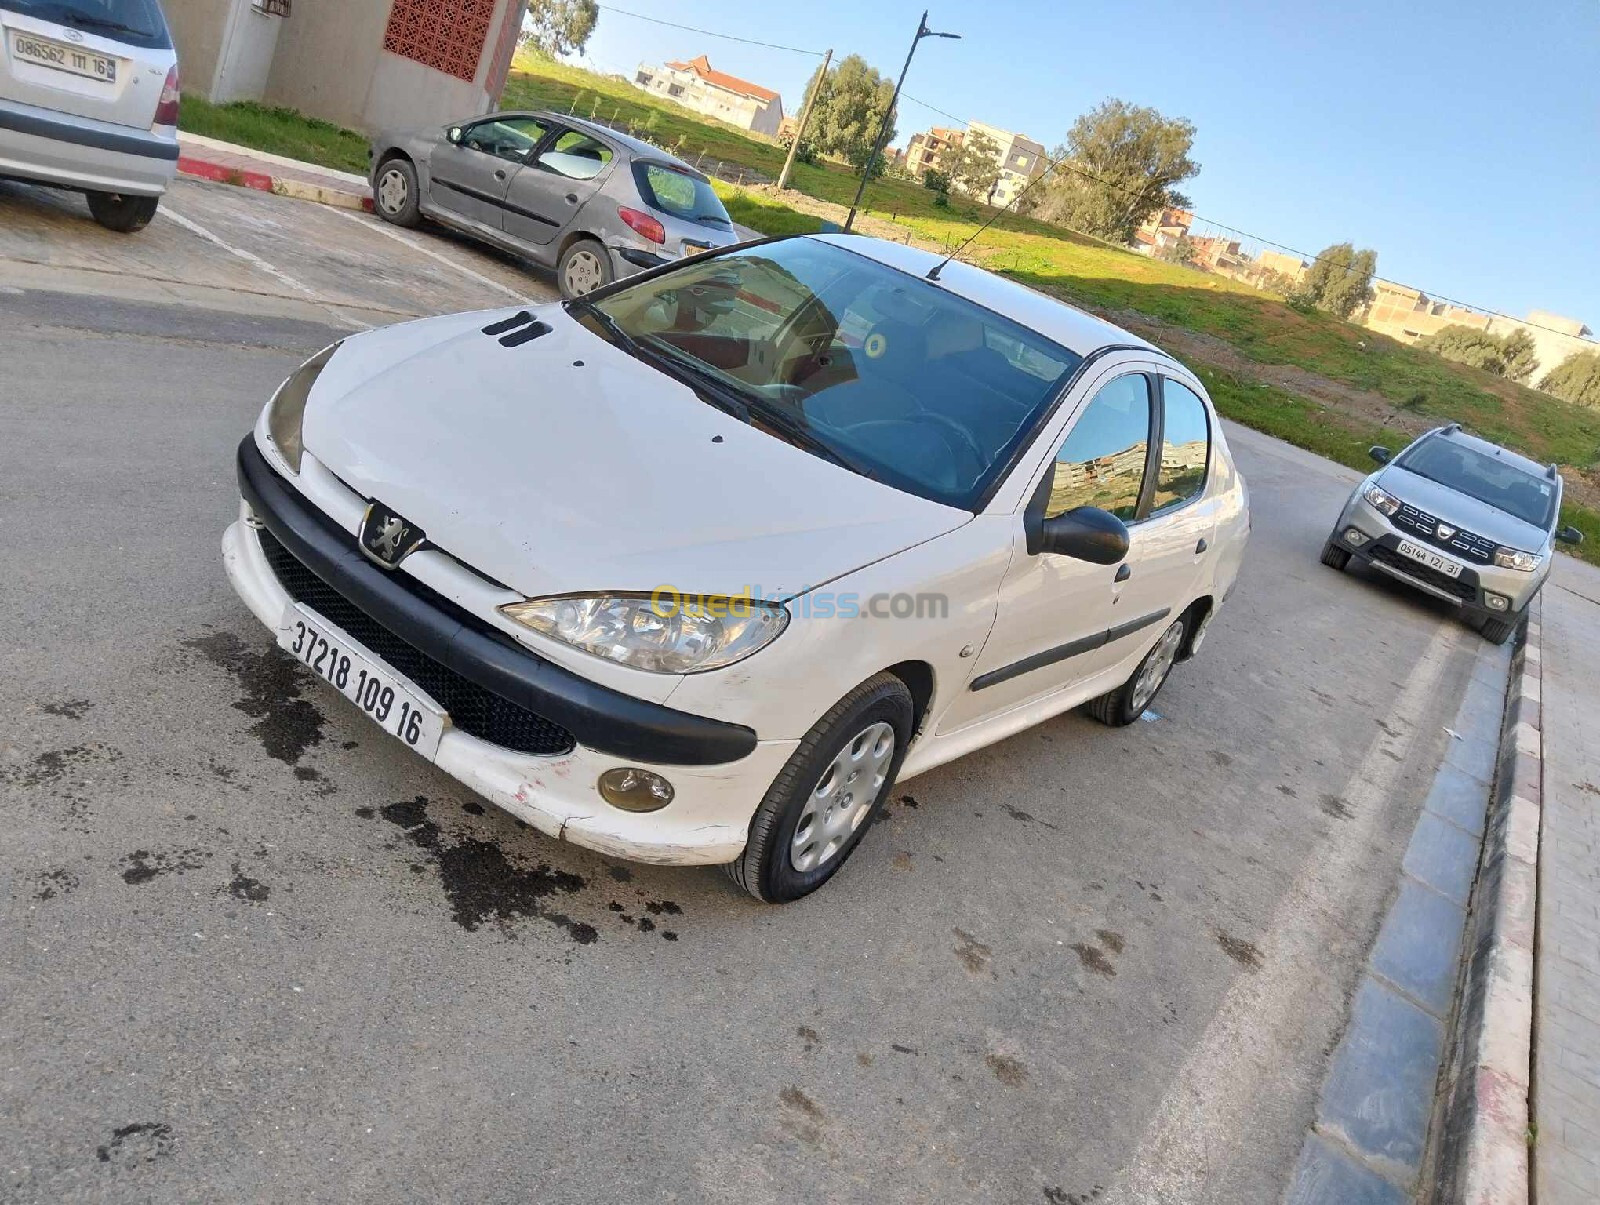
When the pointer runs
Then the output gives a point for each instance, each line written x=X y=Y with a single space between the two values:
x=1431 y=559
x=362 y=678
x=29 y=49
x=695 y=249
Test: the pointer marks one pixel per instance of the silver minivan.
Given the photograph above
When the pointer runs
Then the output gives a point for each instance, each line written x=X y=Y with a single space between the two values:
x=89 y=101
x=573 y=195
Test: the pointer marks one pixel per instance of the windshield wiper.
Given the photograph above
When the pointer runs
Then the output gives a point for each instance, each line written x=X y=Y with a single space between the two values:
x=622 y=337
x=784 y=422
x=88 y=21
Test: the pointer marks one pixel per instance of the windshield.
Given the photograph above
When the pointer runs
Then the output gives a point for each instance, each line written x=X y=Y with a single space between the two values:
x=681 y=195
x=1487 y=478
x=886 y=373
x=138 y=22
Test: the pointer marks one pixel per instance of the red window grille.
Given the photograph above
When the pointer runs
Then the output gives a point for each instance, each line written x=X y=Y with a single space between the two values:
x=447 y=35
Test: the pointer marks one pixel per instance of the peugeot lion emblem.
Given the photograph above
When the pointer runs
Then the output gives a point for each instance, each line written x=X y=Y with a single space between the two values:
x=386 y=538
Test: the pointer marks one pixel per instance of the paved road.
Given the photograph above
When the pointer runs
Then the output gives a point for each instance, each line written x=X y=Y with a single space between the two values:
x=252 y=950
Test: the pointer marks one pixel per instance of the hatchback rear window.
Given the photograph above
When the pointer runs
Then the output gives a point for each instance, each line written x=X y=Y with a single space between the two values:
x=681 y=195
x=136 y=22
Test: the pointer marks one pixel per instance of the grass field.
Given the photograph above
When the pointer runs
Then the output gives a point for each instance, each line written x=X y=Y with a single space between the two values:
x=1387 y=387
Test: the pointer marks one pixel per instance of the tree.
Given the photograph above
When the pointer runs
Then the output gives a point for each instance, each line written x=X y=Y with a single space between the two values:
x=557 y=27
x=973 y=165
x=938 y=183
x=1124 y=162
x=1467 y=345
x=1576 y=379
x=1340 y=279
x=1521 y=356
x=851 y=102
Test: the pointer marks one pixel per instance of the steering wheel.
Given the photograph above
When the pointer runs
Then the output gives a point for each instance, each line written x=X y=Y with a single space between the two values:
x=963 y=443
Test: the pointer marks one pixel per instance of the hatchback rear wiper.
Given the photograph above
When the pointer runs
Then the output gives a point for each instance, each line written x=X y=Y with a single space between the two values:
x=87 y=21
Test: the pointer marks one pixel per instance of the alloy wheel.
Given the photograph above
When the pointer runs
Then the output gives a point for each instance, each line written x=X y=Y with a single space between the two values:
x=1156 y=667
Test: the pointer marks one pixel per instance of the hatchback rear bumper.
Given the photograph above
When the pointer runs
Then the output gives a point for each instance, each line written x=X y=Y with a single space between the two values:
x=78 y=152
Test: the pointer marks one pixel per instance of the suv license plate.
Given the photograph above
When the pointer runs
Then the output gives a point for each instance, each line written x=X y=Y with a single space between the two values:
x=363 y=679
x=1431 y=559
x=29 y=49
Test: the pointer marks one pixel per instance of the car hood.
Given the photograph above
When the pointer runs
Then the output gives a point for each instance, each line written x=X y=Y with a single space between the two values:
x=564 y=464
x=1462 y=510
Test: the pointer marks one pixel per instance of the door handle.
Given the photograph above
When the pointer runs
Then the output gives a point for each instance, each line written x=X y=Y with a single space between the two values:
x=1123 y=572
x=572 y=198
x=499 y=173
x=1201 y=546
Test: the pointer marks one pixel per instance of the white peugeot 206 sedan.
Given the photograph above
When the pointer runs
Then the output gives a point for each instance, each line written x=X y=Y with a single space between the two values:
x=692 y=569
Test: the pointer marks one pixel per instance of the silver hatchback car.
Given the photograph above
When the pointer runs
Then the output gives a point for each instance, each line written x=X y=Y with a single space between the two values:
x=572 y=195
x=1461 y=519
x=89 y=101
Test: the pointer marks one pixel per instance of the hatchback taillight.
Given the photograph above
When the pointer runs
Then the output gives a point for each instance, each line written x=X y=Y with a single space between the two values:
x=167 y=109
x=643 y=224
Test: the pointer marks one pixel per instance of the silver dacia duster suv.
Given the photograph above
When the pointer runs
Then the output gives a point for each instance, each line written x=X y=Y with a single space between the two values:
x=1461 y=519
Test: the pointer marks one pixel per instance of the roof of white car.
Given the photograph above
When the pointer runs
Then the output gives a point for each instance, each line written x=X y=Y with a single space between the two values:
x=1055 y=320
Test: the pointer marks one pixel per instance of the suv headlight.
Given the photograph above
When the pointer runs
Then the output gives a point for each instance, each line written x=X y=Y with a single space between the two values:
x=1512 y=558
x=287 y=409
x=1381 y=500
x=664 y=633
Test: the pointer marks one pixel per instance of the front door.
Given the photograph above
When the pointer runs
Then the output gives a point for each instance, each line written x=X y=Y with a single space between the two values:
x=547 y=194
x=472 y=173
x=1055 y=613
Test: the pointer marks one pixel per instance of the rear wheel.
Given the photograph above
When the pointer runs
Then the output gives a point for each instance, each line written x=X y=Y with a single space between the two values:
x=395 y=194
x=122 y=213
x=824 y=798
x=1334 y=557
x=1124 y=705
x=583 y=268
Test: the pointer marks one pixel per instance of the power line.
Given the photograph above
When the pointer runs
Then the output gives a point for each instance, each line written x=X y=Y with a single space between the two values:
x=726 y=37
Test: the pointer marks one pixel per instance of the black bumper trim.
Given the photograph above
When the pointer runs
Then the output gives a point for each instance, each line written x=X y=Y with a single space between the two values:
x=1061 y=652
x=601 y=718
x=72 y=129
x=642 y=259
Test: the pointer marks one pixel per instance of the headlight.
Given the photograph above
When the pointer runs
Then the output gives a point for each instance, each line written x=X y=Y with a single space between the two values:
x=1382 y=500
x=1512 y=558
x=665 y=632
x=287 y=409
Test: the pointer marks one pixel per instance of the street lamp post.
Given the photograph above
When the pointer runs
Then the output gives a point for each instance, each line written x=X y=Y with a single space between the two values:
x=883 y=127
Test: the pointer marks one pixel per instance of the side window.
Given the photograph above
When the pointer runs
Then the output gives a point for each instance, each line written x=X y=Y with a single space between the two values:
x=509 y=138
x=1103 y=459
x=576 y=156
x=1185 y=447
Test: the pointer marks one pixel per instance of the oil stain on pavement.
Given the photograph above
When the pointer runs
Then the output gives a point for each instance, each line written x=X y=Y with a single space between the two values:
x=287 y=724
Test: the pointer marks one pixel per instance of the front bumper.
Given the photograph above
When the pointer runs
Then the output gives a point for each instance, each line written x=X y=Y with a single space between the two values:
x=1470 y=591
x=720 y=771
x=77 y=152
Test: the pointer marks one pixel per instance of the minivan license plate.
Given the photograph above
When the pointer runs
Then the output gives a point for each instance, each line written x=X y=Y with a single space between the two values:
x=1431 y=559
x=29 y=49
x=362 y=678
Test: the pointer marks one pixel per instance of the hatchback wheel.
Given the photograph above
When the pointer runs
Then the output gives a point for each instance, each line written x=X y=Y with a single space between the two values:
x=583 y=268
x=1128 y=702
x=395 y=194
x=124 y=214
x=824 y=798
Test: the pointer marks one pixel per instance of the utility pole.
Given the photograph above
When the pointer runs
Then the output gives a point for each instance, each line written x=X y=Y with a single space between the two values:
x=883 y=127
x=805 y=120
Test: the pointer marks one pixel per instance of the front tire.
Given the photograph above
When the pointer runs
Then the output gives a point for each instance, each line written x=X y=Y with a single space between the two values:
x=825 y=797
x=1121 y=707
x=396 y=196
x=1334 y=557
x=122 y=213
x=583 y=267
x=1498 y=631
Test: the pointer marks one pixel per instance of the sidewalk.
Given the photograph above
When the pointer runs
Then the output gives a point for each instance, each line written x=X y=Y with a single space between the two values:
x=226 y=163
x=1566 y=1042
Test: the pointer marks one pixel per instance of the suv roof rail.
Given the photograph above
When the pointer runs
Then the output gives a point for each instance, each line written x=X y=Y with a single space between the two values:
x=1553 y=471
x=1450 y=429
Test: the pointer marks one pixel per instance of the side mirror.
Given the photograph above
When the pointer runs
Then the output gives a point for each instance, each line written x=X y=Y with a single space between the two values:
x=454 y=134
x=1570 y=535
x=1085 y=533
x=1380 y=453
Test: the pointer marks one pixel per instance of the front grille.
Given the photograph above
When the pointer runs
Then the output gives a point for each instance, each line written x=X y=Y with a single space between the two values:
x=1465 y=544
x=474 y=710
x=1453 y=586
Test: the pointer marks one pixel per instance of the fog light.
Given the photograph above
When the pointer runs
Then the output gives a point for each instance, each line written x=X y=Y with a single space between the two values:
x=635 y=790
x=1355 y=538
x=1497 y=602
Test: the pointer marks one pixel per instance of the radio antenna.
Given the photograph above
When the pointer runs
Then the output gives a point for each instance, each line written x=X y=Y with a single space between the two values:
x=933 y=272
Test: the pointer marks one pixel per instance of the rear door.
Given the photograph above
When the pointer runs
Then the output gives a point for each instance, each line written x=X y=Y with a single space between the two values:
x=547 y=194
x=106 y=60
x=472 y=171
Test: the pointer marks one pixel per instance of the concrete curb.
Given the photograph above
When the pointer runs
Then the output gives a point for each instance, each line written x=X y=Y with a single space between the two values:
x=210 y=159
x=1483 y=1156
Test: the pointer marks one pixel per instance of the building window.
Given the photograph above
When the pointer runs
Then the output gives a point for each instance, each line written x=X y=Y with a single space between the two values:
x=642 y=79
x=447 y=35
x=675 y=90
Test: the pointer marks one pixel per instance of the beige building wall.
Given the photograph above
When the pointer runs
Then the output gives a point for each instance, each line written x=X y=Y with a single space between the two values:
x=1408 y=314
x=198 y=28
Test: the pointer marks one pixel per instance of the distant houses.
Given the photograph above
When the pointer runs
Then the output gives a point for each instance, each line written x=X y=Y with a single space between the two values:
x=699 y=86
x=1019 y=158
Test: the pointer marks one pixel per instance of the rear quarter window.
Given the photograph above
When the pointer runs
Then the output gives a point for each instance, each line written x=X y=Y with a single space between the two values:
x=681 y=195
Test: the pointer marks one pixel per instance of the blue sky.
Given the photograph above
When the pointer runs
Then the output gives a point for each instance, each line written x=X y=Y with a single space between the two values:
x=1461 y=140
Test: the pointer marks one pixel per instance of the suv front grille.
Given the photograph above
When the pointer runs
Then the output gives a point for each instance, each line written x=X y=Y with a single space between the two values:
x=474 y=710
x=1465 y=544
x=1453 y=586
